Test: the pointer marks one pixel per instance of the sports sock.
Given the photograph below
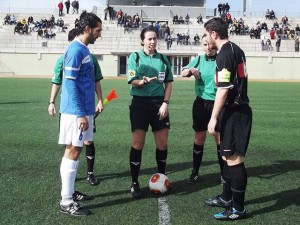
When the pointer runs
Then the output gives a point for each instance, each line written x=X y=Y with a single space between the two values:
x=90 y=157
x=227 y=193
x=68 y=171
x=161 y=160
x=197 y=157
x=135 y=159
x=221 y=161
x=238 y=185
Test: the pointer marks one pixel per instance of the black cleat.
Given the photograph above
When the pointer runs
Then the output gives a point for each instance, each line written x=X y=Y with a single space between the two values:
x=193 y=178
x=218 y=202
x=135 y=190
x=231 y=214
x=78 y=196
x=92 y=180
x=74 y=209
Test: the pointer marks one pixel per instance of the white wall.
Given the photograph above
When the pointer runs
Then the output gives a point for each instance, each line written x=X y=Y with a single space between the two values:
x=280 y=66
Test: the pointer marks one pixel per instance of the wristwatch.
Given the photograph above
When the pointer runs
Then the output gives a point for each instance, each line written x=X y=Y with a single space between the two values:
x=166 y=101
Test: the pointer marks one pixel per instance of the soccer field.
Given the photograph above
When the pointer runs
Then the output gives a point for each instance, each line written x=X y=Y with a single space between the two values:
x=30 y=159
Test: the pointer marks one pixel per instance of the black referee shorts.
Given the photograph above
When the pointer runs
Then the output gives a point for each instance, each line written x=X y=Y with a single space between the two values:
x=202 y=110
x=143 y=112
x=235 y=128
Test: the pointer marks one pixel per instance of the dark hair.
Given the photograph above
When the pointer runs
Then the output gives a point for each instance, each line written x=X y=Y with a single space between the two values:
x=203 y=36
x=145 y=30
x=218 y=25
x=88 y=19
x=73 y=34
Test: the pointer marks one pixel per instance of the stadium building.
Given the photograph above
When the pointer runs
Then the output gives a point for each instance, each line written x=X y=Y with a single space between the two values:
x=34 y=55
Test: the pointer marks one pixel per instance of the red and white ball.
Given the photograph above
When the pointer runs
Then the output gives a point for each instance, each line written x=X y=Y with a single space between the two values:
x=159 y=184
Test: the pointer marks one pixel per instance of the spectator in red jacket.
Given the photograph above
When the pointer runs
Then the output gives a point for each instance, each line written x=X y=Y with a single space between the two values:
x=60 y=8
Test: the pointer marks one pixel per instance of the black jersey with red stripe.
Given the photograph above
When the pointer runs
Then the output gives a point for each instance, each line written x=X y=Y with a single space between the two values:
x=231 y=72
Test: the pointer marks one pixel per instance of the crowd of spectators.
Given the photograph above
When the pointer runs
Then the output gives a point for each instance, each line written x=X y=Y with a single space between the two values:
x=45 y=28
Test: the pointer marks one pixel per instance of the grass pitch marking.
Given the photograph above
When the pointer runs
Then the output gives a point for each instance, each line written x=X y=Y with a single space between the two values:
x=163 y=211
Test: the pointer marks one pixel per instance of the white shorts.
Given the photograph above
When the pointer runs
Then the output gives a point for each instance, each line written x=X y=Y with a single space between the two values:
x=70 y=134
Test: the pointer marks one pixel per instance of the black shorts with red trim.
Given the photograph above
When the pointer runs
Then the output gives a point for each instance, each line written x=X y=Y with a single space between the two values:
x=144 y=112
x=235 y=128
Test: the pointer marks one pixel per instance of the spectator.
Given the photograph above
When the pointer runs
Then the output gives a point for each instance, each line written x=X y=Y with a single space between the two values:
x=39 y=33
x=267 y=15
x=196 y=40
x=7 y=19
x=278 y=42
x=169 y=42
x=13 y=20
x=175 y=19
x=272 y=34
x=227 y=7
x=167 y=32
x=297 y=30
x=272 y=15
x=75 y=5
x=106 y=11
x=200 y=19
x=25 y=29
x=60 y=8
x=269 y=45
x=297 y=41
x=220 y=8
x=187 y=18
x=285 y=20
x=180 y=20
x=67 y=4
x=76 y=22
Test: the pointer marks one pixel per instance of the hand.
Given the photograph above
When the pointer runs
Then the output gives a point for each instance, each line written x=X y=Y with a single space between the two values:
x=149 y=79
x=212 y=126
x=83 y=123
x=163 y=111
x=99 y=107
x=51 y=109
x=195 y=73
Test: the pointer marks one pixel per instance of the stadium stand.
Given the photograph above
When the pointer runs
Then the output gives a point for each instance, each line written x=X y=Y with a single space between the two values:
x=115 y=43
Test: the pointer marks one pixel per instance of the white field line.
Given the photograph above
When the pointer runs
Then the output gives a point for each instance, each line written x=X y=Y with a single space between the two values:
x=164 y=211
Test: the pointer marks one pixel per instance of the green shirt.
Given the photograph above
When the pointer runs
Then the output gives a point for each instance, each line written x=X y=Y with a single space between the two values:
x=58 y=70
x=205 y=87
x=149 y=66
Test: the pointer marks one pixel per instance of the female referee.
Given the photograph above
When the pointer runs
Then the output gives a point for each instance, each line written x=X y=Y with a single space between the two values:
x=150 y=76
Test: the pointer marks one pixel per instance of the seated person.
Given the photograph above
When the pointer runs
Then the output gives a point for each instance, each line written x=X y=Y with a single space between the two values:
x=267 y=15
x=180 y=20
x=25 y=29
x=13 y=20
x=7 y=19
x=199 y=19
x=272 y=15
x=175 y=19
x=187 y=18
x=196 y=40
x=264 y=26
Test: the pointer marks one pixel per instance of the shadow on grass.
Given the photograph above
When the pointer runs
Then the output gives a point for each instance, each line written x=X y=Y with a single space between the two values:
x=180 y=187
x=283 y=200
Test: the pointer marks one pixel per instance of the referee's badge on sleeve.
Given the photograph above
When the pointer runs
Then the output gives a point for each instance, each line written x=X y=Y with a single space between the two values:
x=161 y=76
x=131 y=73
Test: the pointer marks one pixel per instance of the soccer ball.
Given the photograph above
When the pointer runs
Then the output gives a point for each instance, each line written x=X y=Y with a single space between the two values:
x=159 y=184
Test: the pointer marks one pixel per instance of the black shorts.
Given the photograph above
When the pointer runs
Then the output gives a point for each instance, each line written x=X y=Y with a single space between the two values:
x=235 y=128
x=202 y=110
x=143 y=111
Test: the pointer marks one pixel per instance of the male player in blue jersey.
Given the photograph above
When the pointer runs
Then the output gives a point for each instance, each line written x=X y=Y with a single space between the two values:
x=77 y=107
